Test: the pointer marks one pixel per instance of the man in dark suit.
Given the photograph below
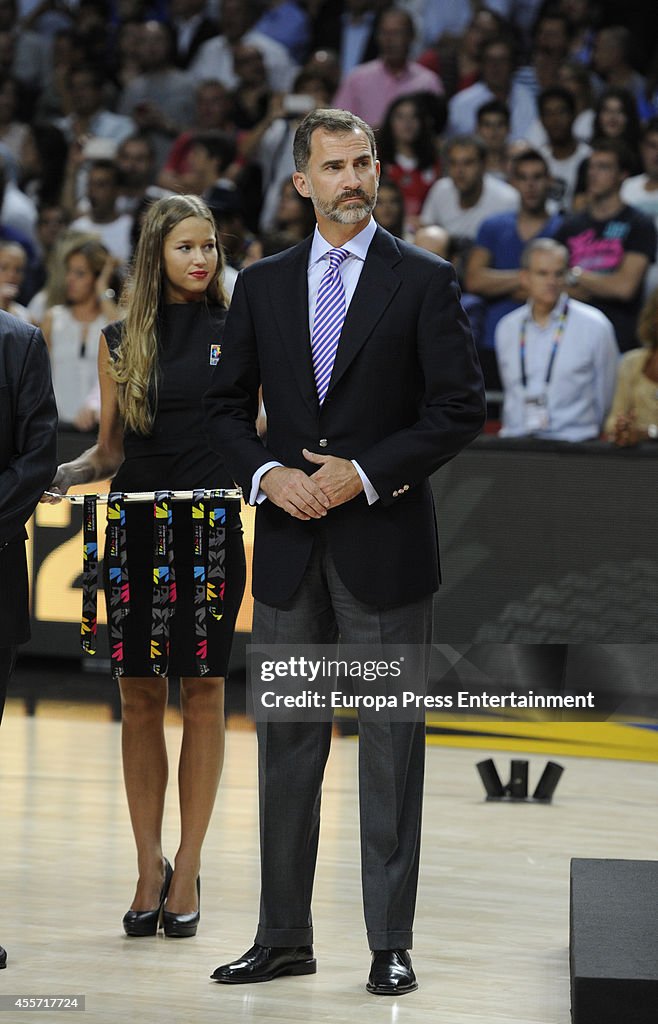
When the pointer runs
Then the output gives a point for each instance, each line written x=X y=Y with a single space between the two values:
x=28 y=442
x=370 y=383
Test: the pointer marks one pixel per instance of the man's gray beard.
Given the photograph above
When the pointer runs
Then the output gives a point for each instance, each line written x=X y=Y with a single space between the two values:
x=339 y=213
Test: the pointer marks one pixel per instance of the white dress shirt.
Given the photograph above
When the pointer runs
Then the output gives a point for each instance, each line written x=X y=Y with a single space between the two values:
x=350 y=271
x=582 y=382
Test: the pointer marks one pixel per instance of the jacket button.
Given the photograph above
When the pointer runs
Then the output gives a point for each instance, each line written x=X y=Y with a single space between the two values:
x=323 y=442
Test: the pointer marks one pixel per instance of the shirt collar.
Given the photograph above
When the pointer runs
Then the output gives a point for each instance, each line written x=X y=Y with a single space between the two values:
x=357 y=246
x=556 y=312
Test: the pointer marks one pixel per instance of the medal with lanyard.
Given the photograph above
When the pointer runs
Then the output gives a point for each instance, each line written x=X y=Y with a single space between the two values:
x=536 y=414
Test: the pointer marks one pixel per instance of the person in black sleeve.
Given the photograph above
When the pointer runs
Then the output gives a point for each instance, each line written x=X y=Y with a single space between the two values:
x=28 y=439
x=610 y=244
x=154 y=367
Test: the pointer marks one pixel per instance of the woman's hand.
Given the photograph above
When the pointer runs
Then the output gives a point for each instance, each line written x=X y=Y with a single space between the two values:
x=624 y=432
x=62 y=480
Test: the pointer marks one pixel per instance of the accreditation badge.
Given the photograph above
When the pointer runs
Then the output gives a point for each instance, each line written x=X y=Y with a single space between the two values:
x=215 y=353
x=536 y=414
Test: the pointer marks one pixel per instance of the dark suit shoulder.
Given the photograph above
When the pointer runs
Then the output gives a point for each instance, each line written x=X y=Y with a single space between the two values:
x=423 y=258
x=12 y=327
x=16 y=341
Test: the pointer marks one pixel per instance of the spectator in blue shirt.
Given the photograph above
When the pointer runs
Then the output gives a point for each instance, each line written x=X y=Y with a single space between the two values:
x=494 y=266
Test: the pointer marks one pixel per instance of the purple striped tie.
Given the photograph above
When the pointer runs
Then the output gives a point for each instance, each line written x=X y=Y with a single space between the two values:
x=328 y=321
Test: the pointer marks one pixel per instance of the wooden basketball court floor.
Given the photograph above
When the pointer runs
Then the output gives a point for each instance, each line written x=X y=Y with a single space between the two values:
x=491 y=937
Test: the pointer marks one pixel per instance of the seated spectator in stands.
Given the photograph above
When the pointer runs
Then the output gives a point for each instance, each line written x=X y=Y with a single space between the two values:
x=456 y=59
x=492 y=127
x=497 y=57
x=611 y=60
x=52 y=222
x=557 y=357
x=294 y=214
x=17 y=211
x=641 y=190
x=72 y=331
x=160 y=100
x=269 y=145
x=127 y=45
x=89 y=117
x=12 y=129
x=389 y=208
x=43 y=163
x=616 y=118
x=370 y=89
x=634 y=413
x=213 y=106
x=192 y=27
x=467 y=195
x=584 y=16
x=13 y=265
x=288 y=23
x=212 y=166
x=348 y=27
x=136 y=162
x=407 y=152
x=214 y=59
x=104 y=219
x=610 y=244
x=551 y=36
x=251 y=96
x=26 y=51
x=563 y=152
x=493 y=270
x=576 y=79
x=66 y=51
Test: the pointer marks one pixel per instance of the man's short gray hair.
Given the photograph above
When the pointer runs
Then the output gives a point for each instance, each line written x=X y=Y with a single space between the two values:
x=544 y=245
x=336 y=121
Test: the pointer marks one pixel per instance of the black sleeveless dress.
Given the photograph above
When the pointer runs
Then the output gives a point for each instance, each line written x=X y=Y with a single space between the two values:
x=176 y=456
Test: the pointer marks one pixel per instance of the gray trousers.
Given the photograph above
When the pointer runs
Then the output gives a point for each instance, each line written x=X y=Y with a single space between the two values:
x=292 y=758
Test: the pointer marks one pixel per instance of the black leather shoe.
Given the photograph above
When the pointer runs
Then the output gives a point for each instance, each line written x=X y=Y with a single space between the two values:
x=391 y=973
x=263 y=963
x=146 y=922
x=3 y=958
x=182 y=926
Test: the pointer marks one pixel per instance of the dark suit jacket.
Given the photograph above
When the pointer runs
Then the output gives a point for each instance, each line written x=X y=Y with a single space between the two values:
x=28 y=449
x=405 y=396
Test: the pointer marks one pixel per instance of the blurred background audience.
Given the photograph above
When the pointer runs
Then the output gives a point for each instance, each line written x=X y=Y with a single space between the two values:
x=498 y=122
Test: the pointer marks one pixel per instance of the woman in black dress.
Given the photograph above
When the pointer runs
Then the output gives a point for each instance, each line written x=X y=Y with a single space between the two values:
x=154 y=367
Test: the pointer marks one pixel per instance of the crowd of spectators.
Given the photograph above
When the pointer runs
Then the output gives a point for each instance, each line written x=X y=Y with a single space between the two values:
x=499 y=122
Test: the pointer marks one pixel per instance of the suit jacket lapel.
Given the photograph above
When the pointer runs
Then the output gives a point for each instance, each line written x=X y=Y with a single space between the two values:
x=289 y=303
x=377 y=285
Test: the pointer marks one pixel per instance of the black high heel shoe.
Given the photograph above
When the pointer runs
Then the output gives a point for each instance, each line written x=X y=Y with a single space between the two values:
x=182 y=926
x=147 y=922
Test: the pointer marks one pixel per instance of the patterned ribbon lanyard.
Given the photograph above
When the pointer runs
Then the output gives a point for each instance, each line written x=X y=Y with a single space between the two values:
x=216 y=559
x=118 y=575
x=164 y=582
x=200 y=608
x=89 y=622
x=557 y=338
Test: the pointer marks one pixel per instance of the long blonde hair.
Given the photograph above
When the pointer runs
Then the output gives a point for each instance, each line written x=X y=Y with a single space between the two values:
x=135 y=368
